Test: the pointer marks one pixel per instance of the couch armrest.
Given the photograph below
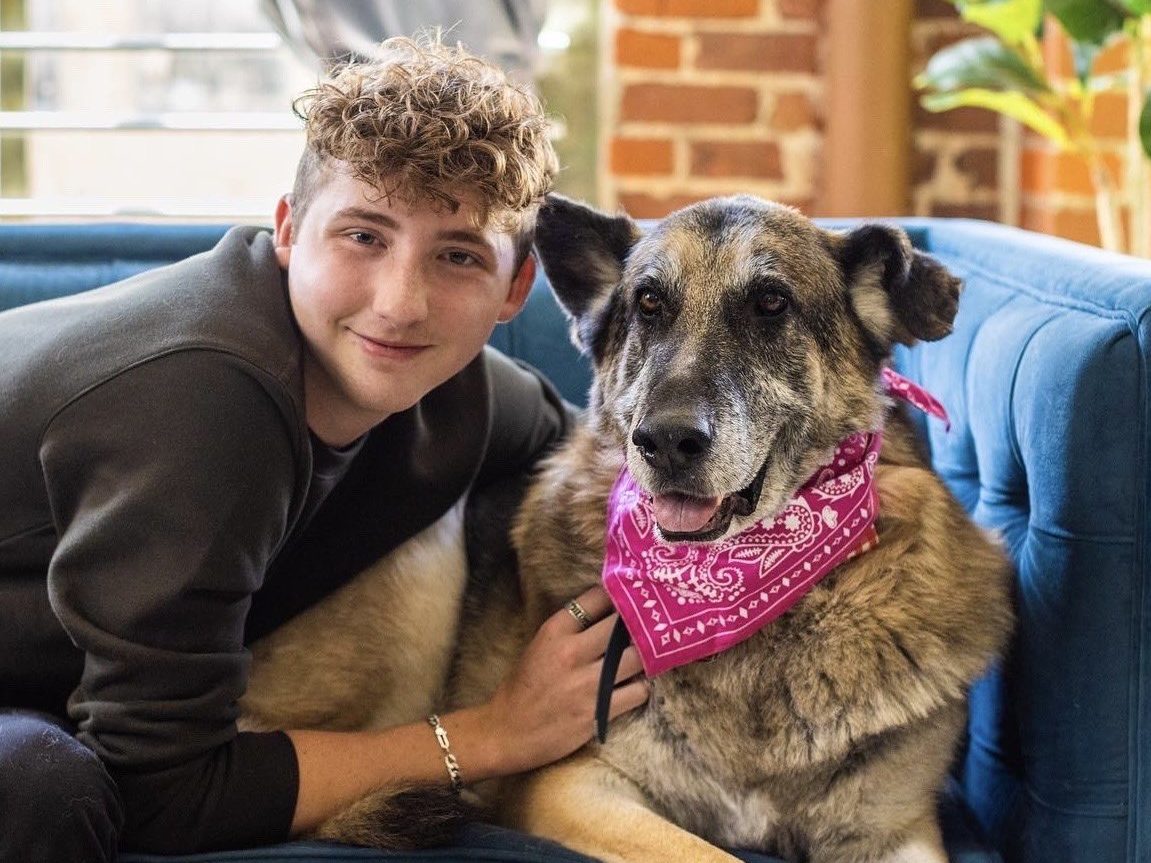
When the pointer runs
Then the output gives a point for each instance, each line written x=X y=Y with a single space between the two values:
x=1046 y=379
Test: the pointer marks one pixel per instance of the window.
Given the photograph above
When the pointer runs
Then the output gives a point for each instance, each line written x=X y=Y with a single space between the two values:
x=164 y=109
x=139 y=108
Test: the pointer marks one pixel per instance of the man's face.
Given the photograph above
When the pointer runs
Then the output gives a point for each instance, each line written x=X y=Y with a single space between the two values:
x=391 y=300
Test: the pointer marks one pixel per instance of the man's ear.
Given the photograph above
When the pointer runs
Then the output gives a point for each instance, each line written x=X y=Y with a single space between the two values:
x=282 y=236
x=520 y=288
x=900 y=294
x=583 y=251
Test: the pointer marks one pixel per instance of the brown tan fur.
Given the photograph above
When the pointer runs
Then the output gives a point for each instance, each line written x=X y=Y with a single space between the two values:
x=827 y=735
x=372 y=655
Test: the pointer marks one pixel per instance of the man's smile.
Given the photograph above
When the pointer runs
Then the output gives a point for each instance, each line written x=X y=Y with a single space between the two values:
x=388 y=348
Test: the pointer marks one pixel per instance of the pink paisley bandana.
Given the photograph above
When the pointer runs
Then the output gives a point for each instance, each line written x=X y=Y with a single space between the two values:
x=915 y=395
x=686 y=601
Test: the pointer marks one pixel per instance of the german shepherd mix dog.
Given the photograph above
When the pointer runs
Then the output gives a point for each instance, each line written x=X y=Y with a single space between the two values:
x=738 y=348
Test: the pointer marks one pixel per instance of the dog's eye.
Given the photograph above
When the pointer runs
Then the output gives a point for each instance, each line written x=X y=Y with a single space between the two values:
x=649 y=302
x=771 y=304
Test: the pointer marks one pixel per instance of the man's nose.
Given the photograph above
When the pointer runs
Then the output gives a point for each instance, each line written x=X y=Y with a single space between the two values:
x=400 y=294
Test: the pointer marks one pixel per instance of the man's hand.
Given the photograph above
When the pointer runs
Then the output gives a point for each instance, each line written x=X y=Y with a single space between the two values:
x=545 y=708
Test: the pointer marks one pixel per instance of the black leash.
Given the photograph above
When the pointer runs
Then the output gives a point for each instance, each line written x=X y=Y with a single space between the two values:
x=616 y=644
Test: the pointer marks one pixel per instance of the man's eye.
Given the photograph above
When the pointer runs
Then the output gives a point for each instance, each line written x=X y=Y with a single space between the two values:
x=363 y=238
x=462 y=259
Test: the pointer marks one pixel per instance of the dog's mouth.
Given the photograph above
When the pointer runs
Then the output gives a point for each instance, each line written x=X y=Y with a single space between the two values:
x=685 y=518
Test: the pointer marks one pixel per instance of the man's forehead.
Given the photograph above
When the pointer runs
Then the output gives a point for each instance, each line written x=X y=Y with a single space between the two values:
x=458 y=208
x=351 y=196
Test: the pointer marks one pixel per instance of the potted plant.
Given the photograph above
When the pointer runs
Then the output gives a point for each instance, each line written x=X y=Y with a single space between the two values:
x=1006 y=72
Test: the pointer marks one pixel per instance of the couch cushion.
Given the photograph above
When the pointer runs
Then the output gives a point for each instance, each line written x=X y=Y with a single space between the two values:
x=480 y=843
x=486 y=844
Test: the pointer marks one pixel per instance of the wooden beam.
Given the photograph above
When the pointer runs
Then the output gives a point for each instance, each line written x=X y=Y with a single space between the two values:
x=867 y=143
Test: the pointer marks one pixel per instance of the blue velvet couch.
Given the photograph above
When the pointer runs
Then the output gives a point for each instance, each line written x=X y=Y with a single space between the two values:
x=1046 y=380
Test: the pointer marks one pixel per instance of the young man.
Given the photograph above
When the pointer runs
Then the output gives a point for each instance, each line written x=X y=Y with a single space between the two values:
x=197 y=454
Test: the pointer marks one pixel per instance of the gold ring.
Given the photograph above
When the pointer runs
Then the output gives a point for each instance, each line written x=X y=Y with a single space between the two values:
x=576 y=611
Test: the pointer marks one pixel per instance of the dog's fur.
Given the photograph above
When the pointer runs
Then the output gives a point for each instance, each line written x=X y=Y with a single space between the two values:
x=827 y=735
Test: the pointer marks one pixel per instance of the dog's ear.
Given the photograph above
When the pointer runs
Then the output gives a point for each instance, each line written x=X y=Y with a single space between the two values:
x=582 y=251
x=899 y=293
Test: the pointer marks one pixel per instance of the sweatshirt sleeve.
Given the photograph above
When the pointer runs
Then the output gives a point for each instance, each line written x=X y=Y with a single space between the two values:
x=528 y=418
x=172 y=485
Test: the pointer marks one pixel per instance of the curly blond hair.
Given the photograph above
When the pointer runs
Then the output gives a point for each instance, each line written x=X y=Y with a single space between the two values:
x=425 y=121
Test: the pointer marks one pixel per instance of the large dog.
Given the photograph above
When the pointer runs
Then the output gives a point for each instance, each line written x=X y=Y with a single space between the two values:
x=736 y=345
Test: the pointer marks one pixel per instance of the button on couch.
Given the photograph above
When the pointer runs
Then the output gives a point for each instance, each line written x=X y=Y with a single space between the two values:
x=1047 y=383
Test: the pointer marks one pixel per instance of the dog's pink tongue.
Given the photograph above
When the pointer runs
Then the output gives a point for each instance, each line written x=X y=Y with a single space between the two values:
x=678 y=513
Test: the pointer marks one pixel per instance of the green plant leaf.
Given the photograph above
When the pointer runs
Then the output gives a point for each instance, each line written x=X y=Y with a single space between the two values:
x=982 y=62
x=1145 y=125
x=1138 y=7
x=1011 y=104
x=1089 y=20
x=1013 y=21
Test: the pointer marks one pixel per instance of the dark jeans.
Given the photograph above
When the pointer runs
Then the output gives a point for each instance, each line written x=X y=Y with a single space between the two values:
x=57 y=802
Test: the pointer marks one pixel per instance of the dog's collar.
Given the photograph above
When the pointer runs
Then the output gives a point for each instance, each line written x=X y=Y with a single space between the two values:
x=681 y=602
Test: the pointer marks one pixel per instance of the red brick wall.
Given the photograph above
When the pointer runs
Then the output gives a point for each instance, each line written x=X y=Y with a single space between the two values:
x=956 y=163
x=710 y=97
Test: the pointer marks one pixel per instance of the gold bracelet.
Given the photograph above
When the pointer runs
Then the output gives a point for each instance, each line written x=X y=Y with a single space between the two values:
x=446 y=747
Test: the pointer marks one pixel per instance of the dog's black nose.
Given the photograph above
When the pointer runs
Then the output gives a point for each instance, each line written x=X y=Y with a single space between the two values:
x=671 y=442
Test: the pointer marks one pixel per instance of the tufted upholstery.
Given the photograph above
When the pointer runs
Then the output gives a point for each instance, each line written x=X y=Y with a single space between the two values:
x=1046 y=380
x=1046 y=377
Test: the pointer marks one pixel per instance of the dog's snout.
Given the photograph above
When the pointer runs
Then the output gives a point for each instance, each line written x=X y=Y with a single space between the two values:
x=672 y=441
